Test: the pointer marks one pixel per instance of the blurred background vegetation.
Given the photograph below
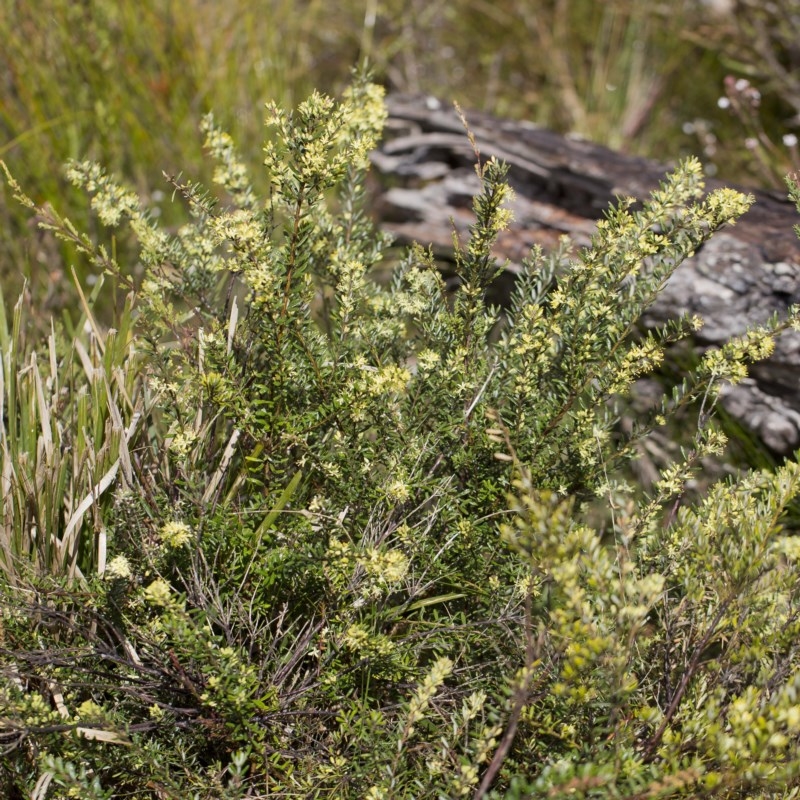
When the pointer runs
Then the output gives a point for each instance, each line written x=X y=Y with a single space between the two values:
x=126 y=84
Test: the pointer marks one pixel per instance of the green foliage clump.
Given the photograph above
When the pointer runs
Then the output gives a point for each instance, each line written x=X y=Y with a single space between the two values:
x=329 y=538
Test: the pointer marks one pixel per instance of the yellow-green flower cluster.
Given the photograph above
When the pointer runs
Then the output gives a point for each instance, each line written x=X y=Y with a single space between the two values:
x=427 y=361
x=398 y=491
x=118 y=567
x=364 y=120
x=387 y=380
x=713 y=442
x=350 y=289
x=729 y=362
x=727 y=205
x=181 y=441
x=159 y=594
x=641 y=359
x=533 y=337
x=318 y=144
x=419 y=285
x=381 y=568
x=230 y=172
x=239 y=227
x=366 y=643
x=32 y=708
x=589 y=437
x=110 y=201
x=673 y=479
x=175 y=534
x=154 y=243
x=89 y=711
x=426 y=691
x=385 y=567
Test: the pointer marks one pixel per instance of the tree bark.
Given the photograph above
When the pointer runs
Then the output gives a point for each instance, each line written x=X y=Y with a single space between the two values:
x=742 y=276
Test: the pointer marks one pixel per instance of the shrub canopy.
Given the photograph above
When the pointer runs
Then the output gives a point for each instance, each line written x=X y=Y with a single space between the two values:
x=290 y=532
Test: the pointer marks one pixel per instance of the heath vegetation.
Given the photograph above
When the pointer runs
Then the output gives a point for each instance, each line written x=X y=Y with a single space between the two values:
x=284 y=531
x=271 y=527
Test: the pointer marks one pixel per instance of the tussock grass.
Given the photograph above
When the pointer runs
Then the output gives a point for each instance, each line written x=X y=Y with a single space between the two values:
x=71 y=409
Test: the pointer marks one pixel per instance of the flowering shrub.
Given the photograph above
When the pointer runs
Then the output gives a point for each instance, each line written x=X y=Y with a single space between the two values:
x=349 y=551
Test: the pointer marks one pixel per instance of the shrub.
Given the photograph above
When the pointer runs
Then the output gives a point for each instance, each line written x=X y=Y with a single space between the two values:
x=347 y=550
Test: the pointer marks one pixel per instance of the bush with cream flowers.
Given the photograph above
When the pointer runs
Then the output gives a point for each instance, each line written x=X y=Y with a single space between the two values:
x=341 y=539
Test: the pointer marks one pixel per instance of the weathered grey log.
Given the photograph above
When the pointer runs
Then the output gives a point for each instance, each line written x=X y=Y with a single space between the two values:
x=563 y=185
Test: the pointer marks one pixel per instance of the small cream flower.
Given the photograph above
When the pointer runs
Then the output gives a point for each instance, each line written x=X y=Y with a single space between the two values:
x=398 y=491
x=175 y=534
x=119 y=567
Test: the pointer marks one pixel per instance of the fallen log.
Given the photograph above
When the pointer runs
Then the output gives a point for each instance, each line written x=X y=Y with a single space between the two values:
x=563 y=185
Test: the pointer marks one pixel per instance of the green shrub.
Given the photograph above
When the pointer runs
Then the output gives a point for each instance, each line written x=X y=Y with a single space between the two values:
x=347 y=550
